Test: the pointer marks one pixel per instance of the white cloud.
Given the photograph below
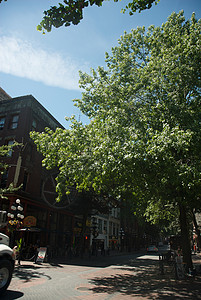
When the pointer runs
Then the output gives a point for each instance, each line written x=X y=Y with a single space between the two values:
x=21 y=59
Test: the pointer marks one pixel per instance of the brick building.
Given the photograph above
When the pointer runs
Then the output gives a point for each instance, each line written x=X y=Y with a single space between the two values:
x=54 y=223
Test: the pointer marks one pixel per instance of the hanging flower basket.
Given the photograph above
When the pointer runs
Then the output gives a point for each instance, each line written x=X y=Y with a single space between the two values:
x=14 y=225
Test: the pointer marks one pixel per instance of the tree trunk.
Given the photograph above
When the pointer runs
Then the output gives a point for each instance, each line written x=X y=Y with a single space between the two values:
x=185 y=239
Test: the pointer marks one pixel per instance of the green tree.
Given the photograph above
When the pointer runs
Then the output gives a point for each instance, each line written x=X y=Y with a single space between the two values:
x=144 y=137
x=4 y=151
x=71 y=11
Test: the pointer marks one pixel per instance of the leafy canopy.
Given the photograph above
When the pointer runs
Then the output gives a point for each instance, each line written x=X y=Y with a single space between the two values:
x=71 y=12
x=144 y=137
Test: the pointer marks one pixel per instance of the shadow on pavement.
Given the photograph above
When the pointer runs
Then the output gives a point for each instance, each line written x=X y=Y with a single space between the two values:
x=96 y=261
x=141 y=278
x=29 y=272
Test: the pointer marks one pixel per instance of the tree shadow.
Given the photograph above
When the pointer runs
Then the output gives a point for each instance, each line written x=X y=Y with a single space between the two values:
x=143 y=279
x=93 y=262
x=28 y=273
x=96 y=261
x=25 y=273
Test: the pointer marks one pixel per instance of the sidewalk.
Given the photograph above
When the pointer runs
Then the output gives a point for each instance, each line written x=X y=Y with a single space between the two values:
x=120 y=276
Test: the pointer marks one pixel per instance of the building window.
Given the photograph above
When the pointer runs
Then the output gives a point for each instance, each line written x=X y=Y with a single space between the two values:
x=100 y=225
x=2 y=122
x=14 y=122
x=105 y=227
x=29 y=156
x=4 y=179
x=34 y=125
x=114 y=229
x=25 y=180
x=10 y=143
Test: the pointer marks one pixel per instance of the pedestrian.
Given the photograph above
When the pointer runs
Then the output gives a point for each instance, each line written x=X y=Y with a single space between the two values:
x=20 y=255
x=21 y=245
x=36 y=250
x=179 y=251
x=15 y=251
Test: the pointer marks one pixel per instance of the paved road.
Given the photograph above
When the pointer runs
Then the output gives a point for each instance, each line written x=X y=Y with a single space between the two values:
x=104 y=278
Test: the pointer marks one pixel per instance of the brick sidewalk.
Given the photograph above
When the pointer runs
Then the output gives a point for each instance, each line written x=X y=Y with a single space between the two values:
x=136 y=278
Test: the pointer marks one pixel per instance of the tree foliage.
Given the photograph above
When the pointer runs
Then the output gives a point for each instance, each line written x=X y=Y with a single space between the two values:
x=144 y=137
x=71 y=12
x=4 y=151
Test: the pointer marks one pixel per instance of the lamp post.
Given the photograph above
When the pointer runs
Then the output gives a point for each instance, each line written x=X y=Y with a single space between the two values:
x=16 y=216
x=121 y=233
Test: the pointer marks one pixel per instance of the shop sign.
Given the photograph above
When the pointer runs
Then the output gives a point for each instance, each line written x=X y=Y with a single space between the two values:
x=41 y=254
x=30 y=221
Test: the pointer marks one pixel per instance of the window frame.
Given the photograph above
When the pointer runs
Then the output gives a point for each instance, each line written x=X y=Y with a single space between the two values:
x=10 y=142
x=34 y=125
x=14 y=123
x=2 y=124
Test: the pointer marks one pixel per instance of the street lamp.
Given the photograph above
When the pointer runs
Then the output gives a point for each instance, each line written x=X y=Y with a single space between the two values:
x=121 y=233
x=16 y=216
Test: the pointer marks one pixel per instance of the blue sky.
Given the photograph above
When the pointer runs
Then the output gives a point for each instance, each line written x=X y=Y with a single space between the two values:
x=47 y=66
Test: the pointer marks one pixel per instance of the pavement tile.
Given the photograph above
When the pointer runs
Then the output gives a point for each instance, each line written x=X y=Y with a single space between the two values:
x=137 y=280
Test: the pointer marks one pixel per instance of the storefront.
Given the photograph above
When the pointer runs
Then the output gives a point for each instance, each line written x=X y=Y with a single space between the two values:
x=42 y=225
x=114 y=243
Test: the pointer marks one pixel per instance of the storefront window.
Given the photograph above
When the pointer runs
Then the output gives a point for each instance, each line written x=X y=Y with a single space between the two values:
x=100 y=225
x=39 y=213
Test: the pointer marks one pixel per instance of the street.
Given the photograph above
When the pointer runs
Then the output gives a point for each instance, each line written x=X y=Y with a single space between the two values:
x=133 y=276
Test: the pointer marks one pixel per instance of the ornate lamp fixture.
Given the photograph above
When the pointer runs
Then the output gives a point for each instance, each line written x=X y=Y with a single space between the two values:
x=16 y=215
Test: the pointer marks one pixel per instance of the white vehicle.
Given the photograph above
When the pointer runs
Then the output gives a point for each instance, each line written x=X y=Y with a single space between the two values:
x=7 y=263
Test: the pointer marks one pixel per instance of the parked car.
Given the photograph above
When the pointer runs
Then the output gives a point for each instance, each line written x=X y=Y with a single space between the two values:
x=163 y=248
x=7 y=263
x=152 y=248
